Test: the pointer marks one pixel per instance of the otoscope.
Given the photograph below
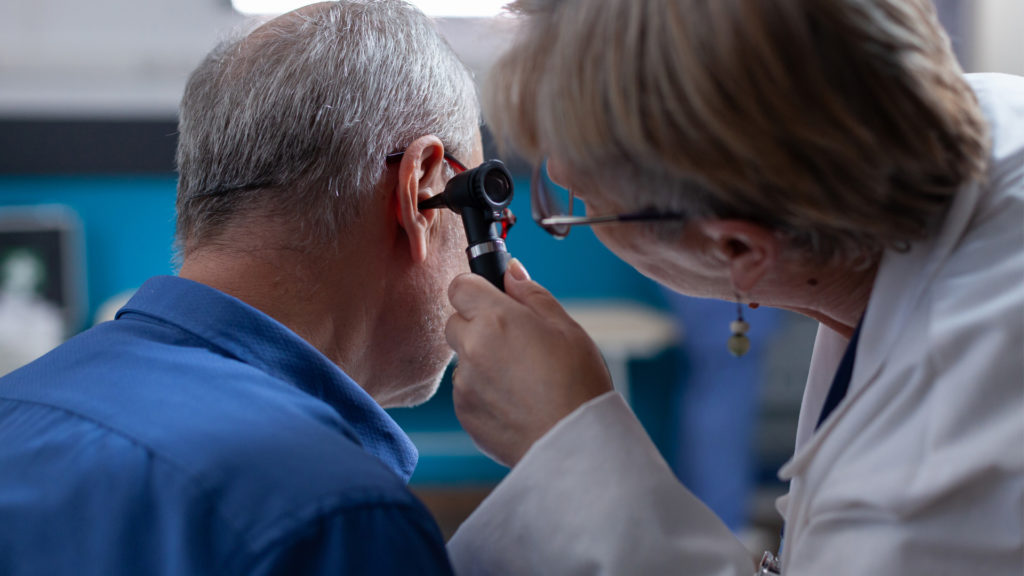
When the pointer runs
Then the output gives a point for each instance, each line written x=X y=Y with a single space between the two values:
x=481 y=196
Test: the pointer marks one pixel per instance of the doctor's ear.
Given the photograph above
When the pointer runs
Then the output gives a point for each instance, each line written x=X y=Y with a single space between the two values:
x=421 y=174
x=749 y=250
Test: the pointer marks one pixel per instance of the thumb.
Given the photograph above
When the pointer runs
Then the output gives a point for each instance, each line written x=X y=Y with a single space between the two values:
x=528 y=293
x=471 y=293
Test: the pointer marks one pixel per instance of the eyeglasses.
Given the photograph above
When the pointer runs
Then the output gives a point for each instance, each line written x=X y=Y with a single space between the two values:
x=453 y=163
x=552 y=207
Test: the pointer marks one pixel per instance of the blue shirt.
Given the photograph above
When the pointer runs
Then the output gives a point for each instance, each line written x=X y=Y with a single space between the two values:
x=197 y=435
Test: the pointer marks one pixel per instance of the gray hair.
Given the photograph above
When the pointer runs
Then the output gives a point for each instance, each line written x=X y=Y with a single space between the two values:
x=844 y=125
x=294 y=119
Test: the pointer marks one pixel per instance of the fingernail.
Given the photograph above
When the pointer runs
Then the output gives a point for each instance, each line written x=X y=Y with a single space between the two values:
x=518 y=270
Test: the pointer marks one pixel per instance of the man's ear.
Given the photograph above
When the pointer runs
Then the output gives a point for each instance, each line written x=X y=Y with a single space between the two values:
x=750 y=250
x=420 y=176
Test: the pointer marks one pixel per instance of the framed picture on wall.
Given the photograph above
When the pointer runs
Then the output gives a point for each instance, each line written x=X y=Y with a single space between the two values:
x=42 y=287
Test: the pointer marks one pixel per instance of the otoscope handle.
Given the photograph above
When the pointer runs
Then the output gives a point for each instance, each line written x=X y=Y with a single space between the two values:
x=489 y=259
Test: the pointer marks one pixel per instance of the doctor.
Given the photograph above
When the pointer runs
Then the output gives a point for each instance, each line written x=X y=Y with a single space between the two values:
x=822 y=156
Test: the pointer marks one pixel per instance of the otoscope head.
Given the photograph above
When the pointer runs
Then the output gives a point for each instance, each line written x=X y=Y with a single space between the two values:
x=487 y=188
x=481 y=197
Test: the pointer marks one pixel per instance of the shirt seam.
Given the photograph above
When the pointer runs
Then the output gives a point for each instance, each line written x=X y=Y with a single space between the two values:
x=193 y=480
x=148 y=318
x=244 y=537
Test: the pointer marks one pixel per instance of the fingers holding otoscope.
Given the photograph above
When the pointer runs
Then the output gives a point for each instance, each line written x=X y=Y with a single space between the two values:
x=523 y=362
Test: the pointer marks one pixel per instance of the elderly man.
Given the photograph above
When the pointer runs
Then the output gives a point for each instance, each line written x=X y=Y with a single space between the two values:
x=230 y=420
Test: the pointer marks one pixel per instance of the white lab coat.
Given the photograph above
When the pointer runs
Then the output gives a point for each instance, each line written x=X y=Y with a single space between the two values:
x=920 y=470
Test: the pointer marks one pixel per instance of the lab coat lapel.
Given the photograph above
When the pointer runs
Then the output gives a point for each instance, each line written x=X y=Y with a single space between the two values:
x=901 y=281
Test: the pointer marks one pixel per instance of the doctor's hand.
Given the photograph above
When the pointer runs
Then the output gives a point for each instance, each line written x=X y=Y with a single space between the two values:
x=523 y=363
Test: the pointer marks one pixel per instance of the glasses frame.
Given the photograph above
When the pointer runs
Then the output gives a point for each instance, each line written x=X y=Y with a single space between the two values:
x=559 y=225
x=453 y=162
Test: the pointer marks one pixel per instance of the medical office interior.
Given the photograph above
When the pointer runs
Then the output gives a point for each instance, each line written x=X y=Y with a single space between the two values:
x=88 y=100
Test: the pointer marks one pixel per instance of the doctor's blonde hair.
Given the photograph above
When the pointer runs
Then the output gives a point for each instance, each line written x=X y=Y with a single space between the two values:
x=844 y=125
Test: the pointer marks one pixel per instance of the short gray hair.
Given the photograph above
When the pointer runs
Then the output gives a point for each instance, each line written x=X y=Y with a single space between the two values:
x=295 y=119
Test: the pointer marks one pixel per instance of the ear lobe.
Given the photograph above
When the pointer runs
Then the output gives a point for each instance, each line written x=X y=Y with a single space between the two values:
x=420 y=176
x=749 y=250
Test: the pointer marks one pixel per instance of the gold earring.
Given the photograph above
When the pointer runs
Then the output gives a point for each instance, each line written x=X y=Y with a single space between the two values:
x=738 y=343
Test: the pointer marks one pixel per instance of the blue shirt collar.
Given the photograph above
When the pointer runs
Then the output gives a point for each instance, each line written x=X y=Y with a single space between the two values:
x=255 y=338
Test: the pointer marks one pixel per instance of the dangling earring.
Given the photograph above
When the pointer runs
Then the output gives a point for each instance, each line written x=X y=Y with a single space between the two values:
x=738 y=343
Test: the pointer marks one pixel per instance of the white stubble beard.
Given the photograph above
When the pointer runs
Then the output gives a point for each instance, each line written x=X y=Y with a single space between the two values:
x=434 y=355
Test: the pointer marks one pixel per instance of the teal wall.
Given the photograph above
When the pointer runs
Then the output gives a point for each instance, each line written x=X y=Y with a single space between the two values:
x=127 y=226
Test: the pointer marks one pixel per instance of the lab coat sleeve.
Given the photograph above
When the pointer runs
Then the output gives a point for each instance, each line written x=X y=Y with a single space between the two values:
x=594 y=496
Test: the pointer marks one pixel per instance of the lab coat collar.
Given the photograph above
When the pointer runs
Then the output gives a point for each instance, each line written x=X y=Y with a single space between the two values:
x=901 y=281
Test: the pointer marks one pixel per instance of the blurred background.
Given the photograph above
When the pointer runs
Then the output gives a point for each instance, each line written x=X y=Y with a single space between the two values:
x=88 y=100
